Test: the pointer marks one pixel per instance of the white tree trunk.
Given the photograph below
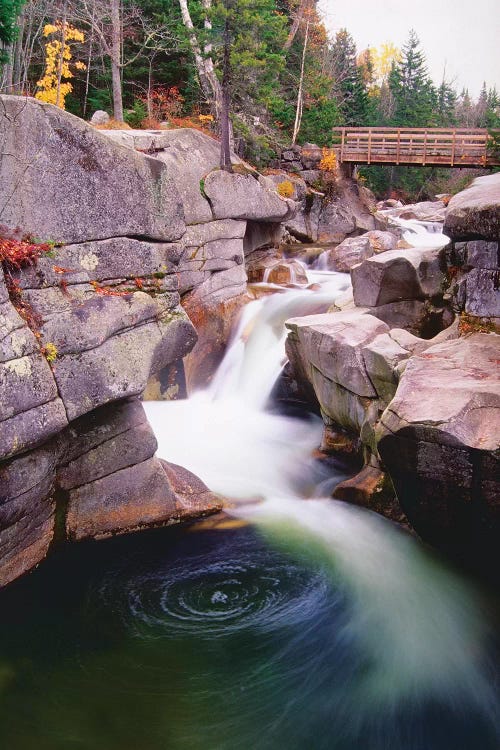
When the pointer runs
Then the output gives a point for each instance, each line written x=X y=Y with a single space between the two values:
x=204 y=65
x=300 y=95
x=116 y=59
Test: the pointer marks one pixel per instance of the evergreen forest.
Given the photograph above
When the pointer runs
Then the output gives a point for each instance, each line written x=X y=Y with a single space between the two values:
x=269 y=65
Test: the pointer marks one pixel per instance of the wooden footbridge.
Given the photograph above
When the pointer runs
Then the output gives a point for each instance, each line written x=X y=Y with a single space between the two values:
x=444 y=147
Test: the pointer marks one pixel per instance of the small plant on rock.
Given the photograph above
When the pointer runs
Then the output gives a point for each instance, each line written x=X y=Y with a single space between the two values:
x=286 y=189
x=49 y=351
x=327 y=166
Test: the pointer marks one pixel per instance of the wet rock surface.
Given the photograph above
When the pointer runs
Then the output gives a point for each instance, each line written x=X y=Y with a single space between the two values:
x=416 y=274
x=350 y=252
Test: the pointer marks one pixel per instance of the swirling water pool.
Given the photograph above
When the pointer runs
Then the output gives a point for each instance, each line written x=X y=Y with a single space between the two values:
x=214 y=640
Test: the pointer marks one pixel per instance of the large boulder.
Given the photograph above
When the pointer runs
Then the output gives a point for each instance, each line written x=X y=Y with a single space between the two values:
x=112 y=481
x=351 y=360
x=96 y=478
x=189 y=156
x=426 y=211
x=474 y=212
x=439 y=440
x=83 y=329
x=64 y=180
x=349 y=253
x=381 y=241
x=244 y=196
x=346 y=209
x=416 y=273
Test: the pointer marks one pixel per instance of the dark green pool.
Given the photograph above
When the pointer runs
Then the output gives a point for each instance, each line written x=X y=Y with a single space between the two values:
x=170 y=640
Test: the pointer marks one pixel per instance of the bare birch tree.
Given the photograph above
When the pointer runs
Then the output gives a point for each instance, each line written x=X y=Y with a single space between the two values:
x=205 y=69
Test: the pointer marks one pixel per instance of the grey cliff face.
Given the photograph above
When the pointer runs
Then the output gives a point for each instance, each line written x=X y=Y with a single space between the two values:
x=102 y=315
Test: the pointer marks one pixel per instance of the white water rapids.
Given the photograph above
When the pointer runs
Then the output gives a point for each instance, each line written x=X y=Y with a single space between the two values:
x=417 y=623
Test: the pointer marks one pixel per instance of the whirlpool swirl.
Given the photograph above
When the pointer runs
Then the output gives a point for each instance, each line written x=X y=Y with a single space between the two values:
x=215 y=596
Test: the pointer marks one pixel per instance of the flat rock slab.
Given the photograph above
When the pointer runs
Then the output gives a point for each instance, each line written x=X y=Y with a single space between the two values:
x=333 y=343
x=450 y=394
x=151 y=493
x=64 y=180
x=237 y=196
x=475 y=212
x=104 y=260
x=140 y=140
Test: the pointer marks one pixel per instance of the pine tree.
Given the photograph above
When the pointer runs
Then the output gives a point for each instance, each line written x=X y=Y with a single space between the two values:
x=349 y=87
x=413 y=92
x=493 y=110
x=482 y=107
x=445 y=114
x=464 y=110
x=9 y=12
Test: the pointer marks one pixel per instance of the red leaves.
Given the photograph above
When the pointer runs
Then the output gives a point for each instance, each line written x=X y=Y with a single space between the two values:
x=17 y=253
x=32 y=319
x=107 y=291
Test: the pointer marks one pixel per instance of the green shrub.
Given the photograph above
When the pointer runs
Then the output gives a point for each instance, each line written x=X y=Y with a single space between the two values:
x=136 y=115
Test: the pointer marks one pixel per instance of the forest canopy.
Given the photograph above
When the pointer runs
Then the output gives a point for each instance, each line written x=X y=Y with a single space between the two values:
x=285 y=78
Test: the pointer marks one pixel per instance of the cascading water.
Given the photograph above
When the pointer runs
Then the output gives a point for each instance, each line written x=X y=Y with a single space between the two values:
x=224 y=435
x=422 y=233
x=416 y=625
x=326 y=629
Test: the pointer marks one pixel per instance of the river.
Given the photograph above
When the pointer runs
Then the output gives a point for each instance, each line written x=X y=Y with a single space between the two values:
x=298 y=623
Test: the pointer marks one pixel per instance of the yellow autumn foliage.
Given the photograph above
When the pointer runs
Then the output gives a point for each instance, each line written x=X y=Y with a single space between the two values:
x=54 y=86
x=286 y=189
x=328 y=161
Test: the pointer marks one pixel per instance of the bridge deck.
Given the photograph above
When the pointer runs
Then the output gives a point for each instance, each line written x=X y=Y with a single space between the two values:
x=447 y=147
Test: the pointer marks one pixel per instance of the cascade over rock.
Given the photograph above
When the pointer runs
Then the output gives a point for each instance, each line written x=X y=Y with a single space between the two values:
x=227 y=216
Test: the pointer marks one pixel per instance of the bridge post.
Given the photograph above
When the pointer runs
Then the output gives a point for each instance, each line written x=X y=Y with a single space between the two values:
x=347 y=169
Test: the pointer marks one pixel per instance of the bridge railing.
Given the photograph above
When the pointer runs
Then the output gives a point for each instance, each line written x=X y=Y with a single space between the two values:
x=453 y=147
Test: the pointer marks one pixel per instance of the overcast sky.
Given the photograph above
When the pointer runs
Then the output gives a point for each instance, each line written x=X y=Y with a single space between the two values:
x=463 y=36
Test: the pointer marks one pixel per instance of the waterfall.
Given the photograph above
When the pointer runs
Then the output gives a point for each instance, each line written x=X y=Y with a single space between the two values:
x=428 y=234
x=418 y=627
x=223 y=434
